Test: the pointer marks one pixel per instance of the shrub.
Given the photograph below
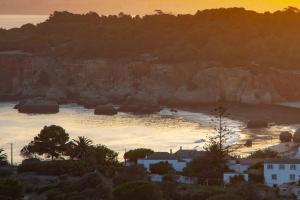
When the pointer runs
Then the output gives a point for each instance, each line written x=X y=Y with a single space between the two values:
x=238 y=179
x=161 y=168
x=267 y=153
x=6 y=171
x=286 y=136
x=225 y=197
x=90 y=186
x=138 y=190
x=296 y=137
x=55 y=168
x=129 y=174
x=10 y=188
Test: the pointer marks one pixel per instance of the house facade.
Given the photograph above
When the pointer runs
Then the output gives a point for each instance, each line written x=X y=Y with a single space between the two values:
x=281 y=171
x=177 y=160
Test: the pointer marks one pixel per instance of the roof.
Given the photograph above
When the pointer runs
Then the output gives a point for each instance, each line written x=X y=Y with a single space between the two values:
x=161 y=156
x=179 y=155
x=249 y=161
x=189 y=154
x=282 y=161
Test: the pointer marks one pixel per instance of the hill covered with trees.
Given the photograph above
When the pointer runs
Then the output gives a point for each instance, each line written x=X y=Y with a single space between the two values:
x=231 y=37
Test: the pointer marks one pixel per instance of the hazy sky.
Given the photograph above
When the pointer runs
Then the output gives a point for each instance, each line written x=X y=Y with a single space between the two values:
x=135 y=6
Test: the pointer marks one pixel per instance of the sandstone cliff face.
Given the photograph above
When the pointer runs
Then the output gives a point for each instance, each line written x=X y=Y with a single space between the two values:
x=24 y=75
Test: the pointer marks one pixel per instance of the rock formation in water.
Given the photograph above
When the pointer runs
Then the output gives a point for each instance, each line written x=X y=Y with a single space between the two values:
x=98 y=82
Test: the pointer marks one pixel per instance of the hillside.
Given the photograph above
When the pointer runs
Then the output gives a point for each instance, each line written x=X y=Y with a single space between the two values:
x=227 y=36
x=233 y=54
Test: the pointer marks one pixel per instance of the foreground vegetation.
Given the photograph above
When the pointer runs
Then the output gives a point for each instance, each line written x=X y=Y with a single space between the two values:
x=79 y=169
x=230 y=37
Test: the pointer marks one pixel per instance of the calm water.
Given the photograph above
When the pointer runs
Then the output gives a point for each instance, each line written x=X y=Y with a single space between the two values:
x=160 y=132
x=15 y=21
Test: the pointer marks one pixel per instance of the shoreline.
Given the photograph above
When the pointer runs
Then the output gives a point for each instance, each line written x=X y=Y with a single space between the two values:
x=272 y=113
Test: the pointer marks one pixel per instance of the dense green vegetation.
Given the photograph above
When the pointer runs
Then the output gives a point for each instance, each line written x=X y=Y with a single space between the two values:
x=229 y=37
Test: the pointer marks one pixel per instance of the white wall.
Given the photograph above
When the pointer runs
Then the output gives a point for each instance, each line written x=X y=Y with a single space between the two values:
x=180 y=179
x=238 y=168
x=177 y=165
x=283 y=175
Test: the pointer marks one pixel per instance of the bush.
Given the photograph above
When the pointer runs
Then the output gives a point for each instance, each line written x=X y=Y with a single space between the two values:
x=238 y=179
x=6 y=171
x=90 y=186
x=267 y=153
x=286 y=136
x=296 y=137
x=129 y=174
x=197 y=193
x=161 y=168
x=10 y=188
x=226 y=197
x=138 y=190
x=55 y=168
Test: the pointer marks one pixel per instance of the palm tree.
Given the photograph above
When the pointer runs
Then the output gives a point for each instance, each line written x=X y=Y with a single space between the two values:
x=82 y=145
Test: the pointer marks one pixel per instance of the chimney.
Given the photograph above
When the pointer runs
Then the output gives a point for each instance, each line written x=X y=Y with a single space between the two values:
x=171 y=151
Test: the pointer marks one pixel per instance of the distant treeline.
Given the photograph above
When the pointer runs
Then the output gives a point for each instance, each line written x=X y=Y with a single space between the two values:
x=230 y=37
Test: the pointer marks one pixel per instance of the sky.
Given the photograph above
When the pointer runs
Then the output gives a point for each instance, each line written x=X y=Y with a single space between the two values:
x=135 y=7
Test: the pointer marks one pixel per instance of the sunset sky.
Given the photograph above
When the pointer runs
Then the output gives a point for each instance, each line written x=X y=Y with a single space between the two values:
x=136 y=6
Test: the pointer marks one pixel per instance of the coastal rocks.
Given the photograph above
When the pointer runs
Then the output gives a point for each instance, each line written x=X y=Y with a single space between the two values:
x=105 y=110
x=38 y=106
x=91 y=103
x=257 y=124
x=140 y=108
x=56 y=94
x=98 y=82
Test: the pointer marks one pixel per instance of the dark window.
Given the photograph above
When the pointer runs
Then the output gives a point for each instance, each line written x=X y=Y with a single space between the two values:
x=293 y=167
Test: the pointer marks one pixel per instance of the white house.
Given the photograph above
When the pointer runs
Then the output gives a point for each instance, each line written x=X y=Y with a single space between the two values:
x=242 y=165
x=280 y=171
x=177 y=160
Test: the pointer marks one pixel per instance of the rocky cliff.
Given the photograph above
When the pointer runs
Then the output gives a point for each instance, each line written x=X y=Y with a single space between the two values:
x=105 y=81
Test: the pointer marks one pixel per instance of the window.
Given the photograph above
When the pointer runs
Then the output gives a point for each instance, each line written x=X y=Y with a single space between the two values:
x=274 y=177
x=293 y=167
x=292 y=177
x=269 y=166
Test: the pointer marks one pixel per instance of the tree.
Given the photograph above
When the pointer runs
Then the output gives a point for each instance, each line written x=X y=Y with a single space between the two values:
x=285 y=136
x=134 y=155
x=51 y=142
x=217 y=147
x=161 y=168
x=138 y=190
x=101 y=155
x=3 y=156
x=81 y=146
x=267 y=153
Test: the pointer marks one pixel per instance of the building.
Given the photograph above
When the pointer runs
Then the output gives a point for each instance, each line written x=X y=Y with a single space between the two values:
x=177 y=160
x=242 y=165
x=280 y=171
x=289 y=190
